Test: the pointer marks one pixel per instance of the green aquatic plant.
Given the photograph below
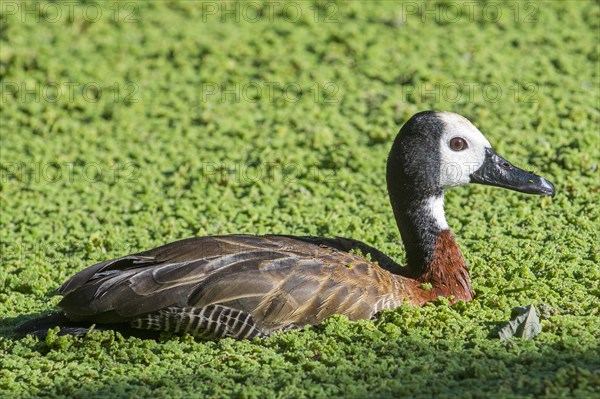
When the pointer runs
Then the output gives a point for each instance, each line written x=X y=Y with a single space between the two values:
x=150 y=122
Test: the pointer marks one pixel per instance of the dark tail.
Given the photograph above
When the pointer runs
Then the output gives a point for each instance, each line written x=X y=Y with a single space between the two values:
x=39 y=327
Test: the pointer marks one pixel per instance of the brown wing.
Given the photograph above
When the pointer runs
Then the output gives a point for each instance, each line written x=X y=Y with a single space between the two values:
x=280 y=281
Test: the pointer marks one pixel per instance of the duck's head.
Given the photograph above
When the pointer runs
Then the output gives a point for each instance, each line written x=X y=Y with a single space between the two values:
x=436 y=150
x=433 y=151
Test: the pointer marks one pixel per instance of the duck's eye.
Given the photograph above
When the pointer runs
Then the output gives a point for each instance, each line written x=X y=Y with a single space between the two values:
x=458 y=144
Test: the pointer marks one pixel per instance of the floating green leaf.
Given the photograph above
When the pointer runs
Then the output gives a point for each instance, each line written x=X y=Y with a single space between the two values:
x=524 y=324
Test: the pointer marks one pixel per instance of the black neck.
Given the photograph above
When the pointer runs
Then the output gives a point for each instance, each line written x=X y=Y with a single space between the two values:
x=413 y=181
x=419 y=232
x=411 y=202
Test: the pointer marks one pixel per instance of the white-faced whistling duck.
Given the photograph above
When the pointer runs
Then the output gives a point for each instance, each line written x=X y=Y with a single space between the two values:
x=246 y=286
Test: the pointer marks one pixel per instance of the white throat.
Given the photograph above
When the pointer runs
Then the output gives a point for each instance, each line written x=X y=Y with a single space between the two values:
x=435 y=207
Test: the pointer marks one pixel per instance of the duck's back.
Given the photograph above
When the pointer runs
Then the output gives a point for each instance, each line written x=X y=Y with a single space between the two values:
x=237 y=285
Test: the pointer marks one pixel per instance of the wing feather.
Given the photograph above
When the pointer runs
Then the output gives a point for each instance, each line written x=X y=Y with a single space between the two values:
x=280 y=281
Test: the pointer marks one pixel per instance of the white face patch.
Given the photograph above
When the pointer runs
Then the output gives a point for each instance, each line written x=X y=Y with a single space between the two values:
x=457 y=166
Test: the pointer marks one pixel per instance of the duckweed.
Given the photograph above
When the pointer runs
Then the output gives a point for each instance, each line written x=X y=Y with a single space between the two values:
x=126 y=125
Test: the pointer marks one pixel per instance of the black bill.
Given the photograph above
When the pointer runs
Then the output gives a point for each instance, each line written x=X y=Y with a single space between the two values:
x=497 y=171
